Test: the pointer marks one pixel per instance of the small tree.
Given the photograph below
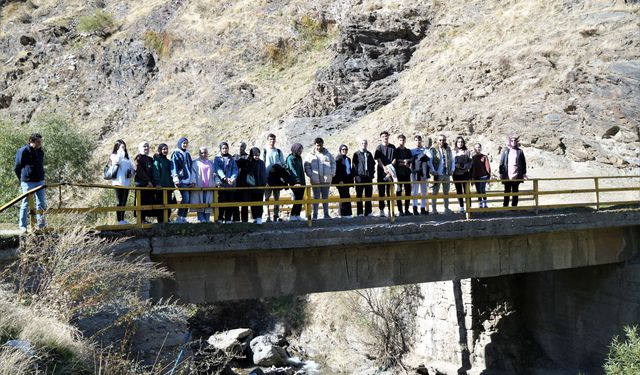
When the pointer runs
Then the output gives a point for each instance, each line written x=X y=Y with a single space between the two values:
x=624 y=356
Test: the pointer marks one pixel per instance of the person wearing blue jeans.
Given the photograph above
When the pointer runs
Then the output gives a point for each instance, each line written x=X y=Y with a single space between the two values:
x=29 y=168
x=182 y=175
x=480 y=173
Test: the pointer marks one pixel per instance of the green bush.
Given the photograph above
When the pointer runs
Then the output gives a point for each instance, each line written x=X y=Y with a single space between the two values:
x=100 y=23
x=624 y=356
x=159 y=42
x=67 y=154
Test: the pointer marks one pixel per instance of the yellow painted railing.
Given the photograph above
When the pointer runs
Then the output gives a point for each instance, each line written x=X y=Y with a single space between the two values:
x=535 y=194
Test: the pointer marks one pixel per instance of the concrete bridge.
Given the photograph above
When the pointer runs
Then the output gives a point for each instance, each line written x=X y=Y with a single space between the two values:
x=213 y=263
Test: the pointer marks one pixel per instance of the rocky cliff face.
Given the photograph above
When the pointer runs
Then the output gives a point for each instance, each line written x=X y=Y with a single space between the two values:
x=565 y=75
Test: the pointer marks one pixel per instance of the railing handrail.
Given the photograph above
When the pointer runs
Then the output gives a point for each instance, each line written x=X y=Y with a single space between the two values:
x=529 y=195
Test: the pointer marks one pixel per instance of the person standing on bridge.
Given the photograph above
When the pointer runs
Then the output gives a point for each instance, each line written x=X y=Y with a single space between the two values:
x=363 y=166
x=419 y=176
x=29 y=167
x=462 y=170
x=441 y=164
x=227 y=170
x=272 y=156
x=403 y=163
x=204 y=176
x=320 y=167
x=162 y=167
x=344 y=175
x=255 y=176
x=480 y=173
x=513 y=169
x=384 y=157
x=181 y=174
x=296 y=169
x=144 y=177
x=120 y=157
x=241 y=195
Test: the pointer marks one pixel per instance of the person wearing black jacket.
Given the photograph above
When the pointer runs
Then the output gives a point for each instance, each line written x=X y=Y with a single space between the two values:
x=241 y=195
x=144 y=178
x=403 y=162
x=363 y=167
x=29 y=168
x=255 y=175
x=344 y=175
x=513 y=169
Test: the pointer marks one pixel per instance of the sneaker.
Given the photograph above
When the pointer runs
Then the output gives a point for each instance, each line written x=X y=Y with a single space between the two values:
x=258 y=221
x=23 y=229
x=268 y=219
x=484 y=204
x=347 y=217
x=123 y=222
x=423 y=211
x=381 y=214
x=277 y=219
x=360 y=215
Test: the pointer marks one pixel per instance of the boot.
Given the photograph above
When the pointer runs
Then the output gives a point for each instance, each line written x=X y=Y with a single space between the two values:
x=423 y=211
x=400 y=211
x=415 y=210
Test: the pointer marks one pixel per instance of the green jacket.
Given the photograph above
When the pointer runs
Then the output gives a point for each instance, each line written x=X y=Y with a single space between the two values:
x=162 y=172
x=294 y=164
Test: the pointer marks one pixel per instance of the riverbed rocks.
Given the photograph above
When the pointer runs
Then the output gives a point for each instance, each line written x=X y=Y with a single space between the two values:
x=267 y=353
x=234 y=342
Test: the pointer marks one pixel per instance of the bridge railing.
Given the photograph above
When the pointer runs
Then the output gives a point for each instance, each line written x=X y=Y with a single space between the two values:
x=534 y=194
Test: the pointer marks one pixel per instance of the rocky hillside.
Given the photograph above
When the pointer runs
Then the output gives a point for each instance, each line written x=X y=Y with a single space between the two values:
x=563 y=74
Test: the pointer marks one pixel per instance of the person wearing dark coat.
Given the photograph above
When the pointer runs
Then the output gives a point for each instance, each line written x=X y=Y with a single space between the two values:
x=513 y=169
x=256 y=175
x=241 y=195
x=143 y=178
x=29 y=168
x=344 y=175
x=363 y=167
x=161 y=177
x=296 y=169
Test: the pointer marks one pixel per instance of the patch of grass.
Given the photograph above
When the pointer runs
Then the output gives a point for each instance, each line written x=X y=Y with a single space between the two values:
x=280 y=53
x=161 y=43
x=100 y=23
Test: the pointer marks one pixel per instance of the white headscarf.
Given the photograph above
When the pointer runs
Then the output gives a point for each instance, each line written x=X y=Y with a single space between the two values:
x=141 y=148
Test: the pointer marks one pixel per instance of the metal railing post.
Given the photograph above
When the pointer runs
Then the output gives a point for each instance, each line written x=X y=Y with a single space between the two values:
x=596 y=182
x=165 y=202
x=467 y=199
x=392 y=201
x=138 y=204
x=32 y=211
x=536 y=196
x=307 y=205
x=216 y=210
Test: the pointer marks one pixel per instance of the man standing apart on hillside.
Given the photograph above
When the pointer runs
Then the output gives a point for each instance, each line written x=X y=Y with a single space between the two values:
x=29 y=168
x=272 y=156
x=384 y=157
x=441 y=164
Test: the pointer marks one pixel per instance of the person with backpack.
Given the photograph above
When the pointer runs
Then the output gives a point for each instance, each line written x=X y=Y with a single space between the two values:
x=419 y=176
x=344 y=175
x=29 y=168
x=181 y=174
x=161 y=177
x=143 y=178
x=363 y=166
x=320 y=167
x=227 y=171
x=120 y=157
x=271 y=156
x=296 y=169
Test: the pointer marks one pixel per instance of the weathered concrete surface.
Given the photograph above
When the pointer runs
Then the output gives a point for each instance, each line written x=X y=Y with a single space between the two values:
x=305 y=260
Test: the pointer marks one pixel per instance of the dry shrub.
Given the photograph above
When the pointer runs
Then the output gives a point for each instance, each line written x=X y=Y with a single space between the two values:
x=279 y=53
x=100 y=23
x=77 y=273
x=388 y=314
x=16 y=362
x=162 y=42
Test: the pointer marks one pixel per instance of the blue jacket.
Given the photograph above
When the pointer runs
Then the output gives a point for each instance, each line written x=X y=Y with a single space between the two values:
x=29 y=166
x=181 y=167
x=225 y=168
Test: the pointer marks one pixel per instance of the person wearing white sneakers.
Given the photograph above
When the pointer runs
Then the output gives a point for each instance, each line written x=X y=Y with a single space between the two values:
x=480 y=173
x=441 y=166
x=120 y=157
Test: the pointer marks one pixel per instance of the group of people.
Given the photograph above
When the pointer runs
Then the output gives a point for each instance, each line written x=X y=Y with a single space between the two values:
x=258 y=174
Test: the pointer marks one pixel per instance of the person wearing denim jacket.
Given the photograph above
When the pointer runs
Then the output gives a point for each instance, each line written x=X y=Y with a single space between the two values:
x=226 y=168
x=182 y=175
x=29 y=168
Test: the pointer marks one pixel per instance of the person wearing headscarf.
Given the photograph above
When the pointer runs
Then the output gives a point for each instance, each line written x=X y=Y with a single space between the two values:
x=227 y=170
x=181 y=174
x=143 y=178
x=241 y=158
x=161 y=177
x=344 y=175
x=256 y=176
x=204 y=176
x=513 y=169
x=295 y=167
x=120 y=157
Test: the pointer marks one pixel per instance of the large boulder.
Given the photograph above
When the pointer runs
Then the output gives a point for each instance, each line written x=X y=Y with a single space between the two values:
x=232 y=342
x=266 y=353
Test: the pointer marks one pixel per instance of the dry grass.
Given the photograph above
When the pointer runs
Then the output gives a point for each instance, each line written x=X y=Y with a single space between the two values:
x=16 y=362
x=162 y=42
